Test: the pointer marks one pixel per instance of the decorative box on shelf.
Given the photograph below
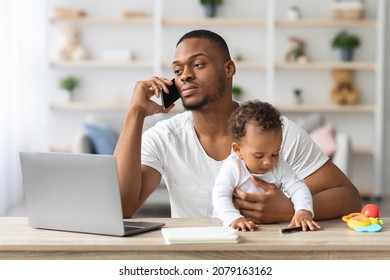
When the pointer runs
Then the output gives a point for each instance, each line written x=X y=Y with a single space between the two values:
x=348 y=9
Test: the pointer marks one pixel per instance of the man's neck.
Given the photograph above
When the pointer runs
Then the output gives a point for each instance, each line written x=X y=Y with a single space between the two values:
x=213 y=120
x=212 y=129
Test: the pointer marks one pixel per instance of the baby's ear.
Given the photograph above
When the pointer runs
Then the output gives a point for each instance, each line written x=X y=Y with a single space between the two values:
x=236 y=149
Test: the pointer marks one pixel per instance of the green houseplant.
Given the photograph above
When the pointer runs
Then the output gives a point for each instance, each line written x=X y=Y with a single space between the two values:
x=346 y=42
x=210 y=6
x=236 y=91
x=298 y=95
x=69 y=84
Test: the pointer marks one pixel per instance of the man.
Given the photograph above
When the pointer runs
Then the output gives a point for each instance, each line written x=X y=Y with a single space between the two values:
x=188 y=149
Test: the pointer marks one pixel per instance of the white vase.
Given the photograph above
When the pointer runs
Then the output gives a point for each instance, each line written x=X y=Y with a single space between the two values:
x=64 y=96
x=292 y=14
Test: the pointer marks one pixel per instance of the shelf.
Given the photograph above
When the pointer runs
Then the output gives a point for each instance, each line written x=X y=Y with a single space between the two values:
x=363 y=150
x=89 y=63
x=220 y=21
x=60 y=149
x=94 y=106
x=284 y=108
x=98 y=20
x=240 y=65
x=353 y=65
x=366 y=191
x=88 y=106
x=215 y=21
x=271 y=28
x=325 y=23
x=250 y=65
x=326 y=108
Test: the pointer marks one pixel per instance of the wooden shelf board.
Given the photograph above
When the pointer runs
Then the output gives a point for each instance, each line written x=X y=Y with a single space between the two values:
x=60 y=148
x=366 y=191
x=246 y=65
x=284 y=108
x=354 y=65
x=90 y=63
x=325 y=23
x=250 y=65
x=325 y=108
x=363 y=150
x=94 y=106
x=215 y=21
x=89 y=106
x=239 y=64
x=218 y=21
x=102 y=20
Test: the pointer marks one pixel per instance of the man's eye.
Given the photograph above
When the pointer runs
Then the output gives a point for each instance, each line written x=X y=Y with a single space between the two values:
x=198 y=65
x=177 y=71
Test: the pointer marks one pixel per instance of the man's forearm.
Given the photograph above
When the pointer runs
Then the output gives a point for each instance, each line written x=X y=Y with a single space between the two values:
x=128 y=159
x=336 y=202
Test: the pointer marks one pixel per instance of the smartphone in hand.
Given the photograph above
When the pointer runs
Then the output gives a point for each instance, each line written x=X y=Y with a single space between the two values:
x=167 y=99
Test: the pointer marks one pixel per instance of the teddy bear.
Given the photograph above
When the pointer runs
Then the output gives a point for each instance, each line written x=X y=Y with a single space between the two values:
x=344 y=92
x=296 y=52
x=70 y=47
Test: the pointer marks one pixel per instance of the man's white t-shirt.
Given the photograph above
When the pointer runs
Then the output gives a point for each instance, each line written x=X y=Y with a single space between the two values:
x=173 y=149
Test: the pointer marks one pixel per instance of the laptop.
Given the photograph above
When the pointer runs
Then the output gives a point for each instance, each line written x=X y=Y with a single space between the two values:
x=76 y=192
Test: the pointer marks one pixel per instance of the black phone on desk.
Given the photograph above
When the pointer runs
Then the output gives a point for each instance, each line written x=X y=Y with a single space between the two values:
x=167 y=99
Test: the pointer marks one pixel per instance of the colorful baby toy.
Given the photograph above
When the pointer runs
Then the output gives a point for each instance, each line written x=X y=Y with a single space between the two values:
x=366 y=221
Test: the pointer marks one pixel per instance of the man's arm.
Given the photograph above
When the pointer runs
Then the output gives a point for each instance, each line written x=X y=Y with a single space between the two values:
x=333 y=196
x=137 y=182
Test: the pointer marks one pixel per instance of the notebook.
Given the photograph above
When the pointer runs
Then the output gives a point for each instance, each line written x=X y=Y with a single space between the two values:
x=75 y=192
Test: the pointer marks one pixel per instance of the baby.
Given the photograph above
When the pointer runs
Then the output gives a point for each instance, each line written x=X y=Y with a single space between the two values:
x=256 y=129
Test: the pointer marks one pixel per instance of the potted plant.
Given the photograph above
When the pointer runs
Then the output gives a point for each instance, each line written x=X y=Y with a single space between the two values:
x=293 y=13
x=210 y=6
x=346 y=43
x=298 y=95
x=236 y=91
x=69 y=84
x=238 y=57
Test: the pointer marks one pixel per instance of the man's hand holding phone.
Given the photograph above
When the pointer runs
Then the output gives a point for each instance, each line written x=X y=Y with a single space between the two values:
x=145 y=90
x=167 y=99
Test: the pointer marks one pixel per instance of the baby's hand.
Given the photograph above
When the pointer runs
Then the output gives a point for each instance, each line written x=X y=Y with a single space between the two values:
x=303 y=218
x=244 y=224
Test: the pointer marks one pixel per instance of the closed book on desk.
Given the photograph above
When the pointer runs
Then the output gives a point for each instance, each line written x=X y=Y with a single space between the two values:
x=186 y=235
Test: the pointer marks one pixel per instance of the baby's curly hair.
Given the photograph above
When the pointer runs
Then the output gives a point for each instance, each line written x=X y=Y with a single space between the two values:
x=261 y=114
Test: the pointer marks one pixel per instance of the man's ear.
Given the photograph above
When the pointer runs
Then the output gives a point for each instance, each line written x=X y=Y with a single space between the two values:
x=230 y=69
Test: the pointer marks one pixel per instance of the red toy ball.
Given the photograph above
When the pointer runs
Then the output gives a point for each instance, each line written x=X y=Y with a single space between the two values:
x=371 y=211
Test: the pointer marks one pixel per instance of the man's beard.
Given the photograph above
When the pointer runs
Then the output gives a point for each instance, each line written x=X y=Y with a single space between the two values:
x=220 y=92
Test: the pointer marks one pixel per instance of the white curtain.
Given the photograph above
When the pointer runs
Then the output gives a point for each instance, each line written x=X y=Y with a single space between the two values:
x=23 y=105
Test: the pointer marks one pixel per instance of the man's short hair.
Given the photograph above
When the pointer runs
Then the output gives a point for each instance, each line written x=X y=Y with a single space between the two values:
x=212 y=37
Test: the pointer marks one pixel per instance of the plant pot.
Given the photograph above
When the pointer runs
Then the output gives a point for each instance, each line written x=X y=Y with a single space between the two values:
x=292 y=14
x=210 y=10
x=64 y=96
x=346 y=54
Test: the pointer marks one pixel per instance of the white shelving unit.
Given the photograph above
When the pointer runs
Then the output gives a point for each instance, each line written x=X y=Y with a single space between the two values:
x=372 y=109
x=270 y=65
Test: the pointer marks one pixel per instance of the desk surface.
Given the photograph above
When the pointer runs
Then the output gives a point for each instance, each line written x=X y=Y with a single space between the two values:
x=333 y=241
